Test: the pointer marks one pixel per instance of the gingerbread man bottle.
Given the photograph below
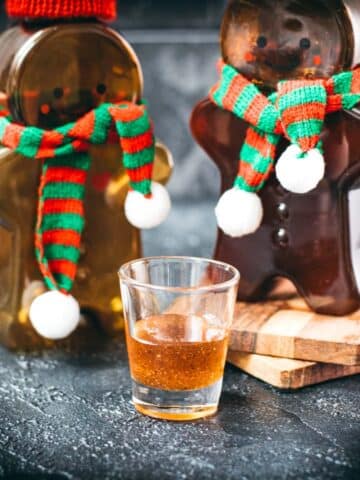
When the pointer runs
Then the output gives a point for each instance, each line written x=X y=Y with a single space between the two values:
x=288 y=76
x=75 y=136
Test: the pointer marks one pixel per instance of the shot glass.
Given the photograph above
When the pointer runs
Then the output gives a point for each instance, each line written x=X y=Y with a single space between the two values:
x=178 y=312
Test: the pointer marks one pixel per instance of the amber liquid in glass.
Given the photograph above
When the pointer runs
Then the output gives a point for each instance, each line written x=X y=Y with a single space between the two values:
x=173 y=352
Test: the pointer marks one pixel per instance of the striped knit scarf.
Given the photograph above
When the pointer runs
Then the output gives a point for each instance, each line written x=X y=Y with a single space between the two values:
x=65 y=164
x=296 y=111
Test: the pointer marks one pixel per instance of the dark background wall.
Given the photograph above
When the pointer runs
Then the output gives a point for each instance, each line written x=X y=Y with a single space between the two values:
x=170 y=13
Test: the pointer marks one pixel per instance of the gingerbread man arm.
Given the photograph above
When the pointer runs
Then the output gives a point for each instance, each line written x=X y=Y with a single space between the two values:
x=221 y=135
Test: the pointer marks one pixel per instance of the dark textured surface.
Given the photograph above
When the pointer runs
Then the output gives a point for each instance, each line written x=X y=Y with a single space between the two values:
x=67 y=416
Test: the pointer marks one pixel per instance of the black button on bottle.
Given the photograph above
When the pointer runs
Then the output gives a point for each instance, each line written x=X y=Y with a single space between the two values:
x=282 y=211
x=281 y=238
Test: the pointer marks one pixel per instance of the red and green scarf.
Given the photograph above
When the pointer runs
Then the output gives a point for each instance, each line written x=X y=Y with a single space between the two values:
x=65 y=164
x=295 y=111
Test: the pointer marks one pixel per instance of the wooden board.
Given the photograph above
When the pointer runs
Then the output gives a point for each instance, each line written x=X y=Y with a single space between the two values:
x=287 y=328
x=286 y=373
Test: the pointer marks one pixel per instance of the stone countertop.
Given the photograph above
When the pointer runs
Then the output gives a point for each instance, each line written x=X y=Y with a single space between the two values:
x=67 y=416
x=70 y=417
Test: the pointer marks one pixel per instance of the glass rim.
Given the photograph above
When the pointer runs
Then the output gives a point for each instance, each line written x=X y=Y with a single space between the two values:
x=124 y=277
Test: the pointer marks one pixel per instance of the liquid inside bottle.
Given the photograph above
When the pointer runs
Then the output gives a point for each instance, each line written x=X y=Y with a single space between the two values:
x=52 y=75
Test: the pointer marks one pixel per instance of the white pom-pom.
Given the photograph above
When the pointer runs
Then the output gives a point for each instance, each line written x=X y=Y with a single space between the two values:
x=239 y=212
x=300 y=172
x=149 y=212
x=54 y=315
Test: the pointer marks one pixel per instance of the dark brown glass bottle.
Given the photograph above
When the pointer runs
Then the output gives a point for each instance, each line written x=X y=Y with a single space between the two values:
x=52 y=73
x=312 y=239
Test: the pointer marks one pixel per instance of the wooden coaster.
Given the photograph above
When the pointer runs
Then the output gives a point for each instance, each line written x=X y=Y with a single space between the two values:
x=289 y=374
x=289 y=329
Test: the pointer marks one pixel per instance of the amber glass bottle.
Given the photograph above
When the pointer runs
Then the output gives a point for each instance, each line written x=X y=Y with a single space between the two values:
x=52 y=71
x=311 y=239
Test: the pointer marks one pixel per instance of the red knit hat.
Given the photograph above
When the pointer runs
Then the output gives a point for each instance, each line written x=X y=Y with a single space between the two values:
x=105 y=9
